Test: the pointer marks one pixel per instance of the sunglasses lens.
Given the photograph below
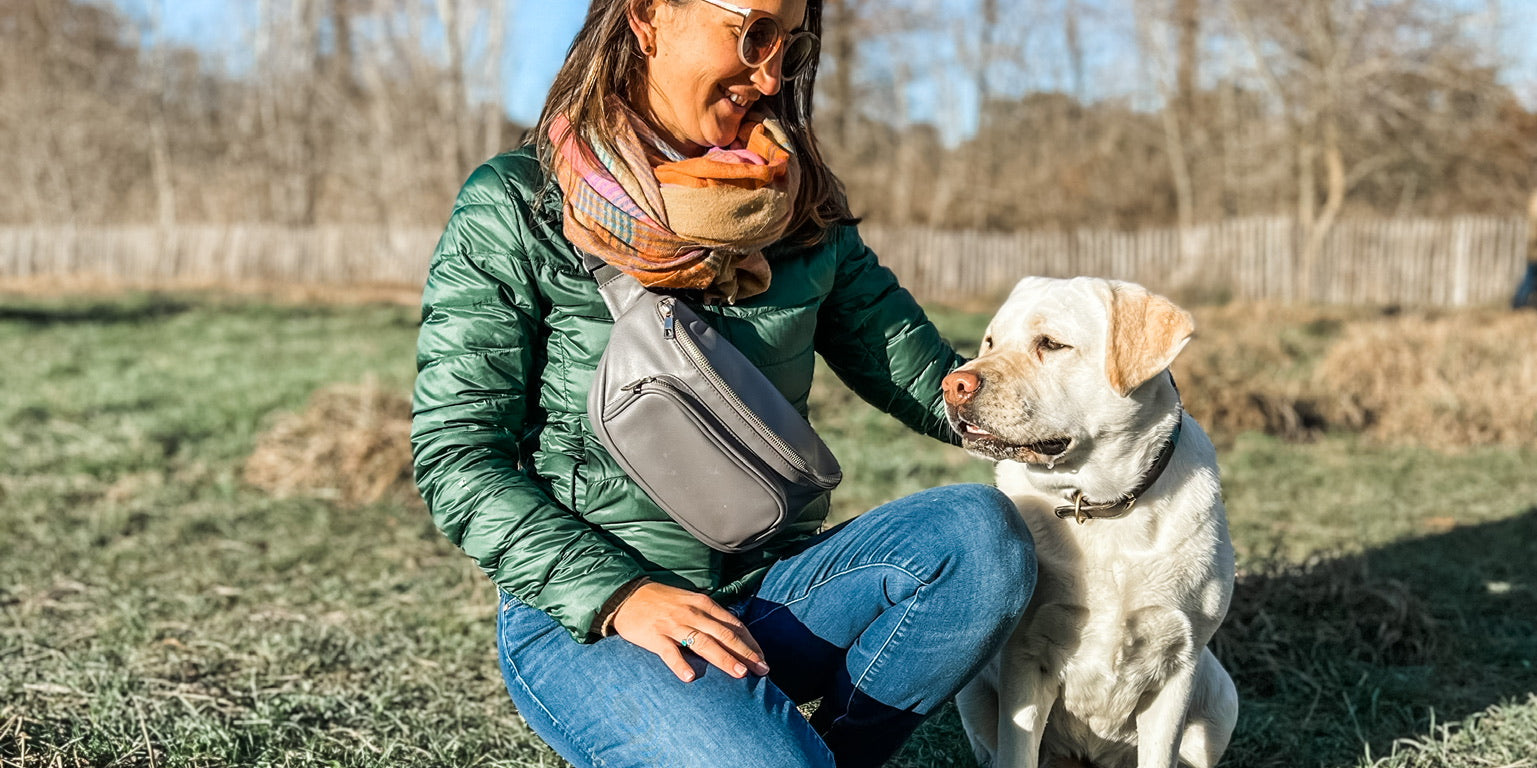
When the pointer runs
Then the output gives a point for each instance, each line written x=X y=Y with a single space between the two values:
x=760 y=41
x=800 y=52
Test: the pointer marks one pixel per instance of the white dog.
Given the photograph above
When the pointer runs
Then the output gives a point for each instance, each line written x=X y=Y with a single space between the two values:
x=1070 y=394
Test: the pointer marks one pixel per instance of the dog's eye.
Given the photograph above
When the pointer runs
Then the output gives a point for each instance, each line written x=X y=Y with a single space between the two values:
x=987 y=342
x=1048 y=344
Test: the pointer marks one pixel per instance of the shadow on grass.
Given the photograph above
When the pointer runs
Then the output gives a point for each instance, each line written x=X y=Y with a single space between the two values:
x=135 y=309
x=1343 y=654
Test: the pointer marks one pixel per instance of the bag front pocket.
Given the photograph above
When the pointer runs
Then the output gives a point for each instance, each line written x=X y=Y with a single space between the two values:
x=660 y=421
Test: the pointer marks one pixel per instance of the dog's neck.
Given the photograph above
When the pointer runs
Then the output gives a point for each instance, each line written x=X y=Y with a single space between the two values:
x=1124 y=464
x=1084 y=509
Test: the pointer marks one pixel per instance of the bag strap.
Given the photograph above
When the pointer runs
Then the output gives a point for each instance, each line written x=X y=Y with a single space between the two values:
x=620 y=291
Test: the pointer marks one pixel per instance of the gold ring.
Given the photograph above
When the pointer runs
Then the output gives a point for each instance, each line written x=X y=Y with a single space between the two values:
x=688 y=641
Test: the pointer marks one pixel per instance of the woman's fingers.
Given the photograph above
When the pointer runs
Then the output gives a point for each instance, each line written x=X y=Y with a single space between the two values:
x=725 y=627
x=715 y=652
x=672 y=655
x=661 y=618
x=733 y=640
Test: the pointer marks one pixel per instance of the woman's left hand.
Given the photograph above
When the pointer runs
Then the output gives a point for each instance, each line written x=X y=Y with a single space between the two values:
x=665 y=620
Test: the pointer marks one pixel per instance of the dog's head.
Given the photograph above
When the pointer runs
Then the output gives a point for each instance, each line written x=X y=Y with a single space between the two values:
x=1061 y=367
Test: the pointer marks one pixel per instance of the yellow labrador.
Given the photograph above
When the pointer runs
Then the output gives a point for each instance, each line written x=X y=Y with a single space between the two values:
x=1071 y=395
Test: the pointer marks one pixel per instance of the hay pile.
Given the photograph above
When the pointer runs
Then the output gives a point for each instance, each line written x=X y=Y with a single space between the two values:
x=1249 y=368
x=1454 y=380
x=351 y=444
x=1444 y=380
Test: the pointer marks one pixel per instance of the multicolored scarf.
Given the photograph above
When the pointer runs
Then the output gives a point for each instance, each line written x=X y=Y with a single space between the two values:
x=697 y=223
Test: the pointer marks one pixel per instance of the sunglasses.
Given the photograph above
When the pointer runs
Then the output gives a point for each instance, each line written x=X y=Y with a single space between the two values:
x=762 y=36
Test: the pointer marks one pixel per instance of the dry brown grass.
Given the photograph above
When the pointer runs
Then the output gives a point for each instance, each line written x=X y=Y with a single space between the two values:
x=1447 y=380
x=1440 y=379
x=350 y=444
x=1249 y=368
x=1443 y=379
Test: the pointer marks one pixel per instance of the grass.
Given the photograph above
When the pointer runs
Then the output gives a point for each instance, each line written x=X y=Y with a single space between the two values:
x=155 y=610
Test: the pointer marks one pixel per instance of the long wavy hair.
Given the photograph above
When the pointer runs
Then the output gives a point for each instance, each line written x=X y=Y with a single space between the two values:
x=606 y=60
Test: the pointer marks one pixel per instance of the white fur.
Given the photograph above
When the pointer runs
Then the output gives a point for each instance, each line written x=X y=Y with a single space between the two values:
x=1109 y=663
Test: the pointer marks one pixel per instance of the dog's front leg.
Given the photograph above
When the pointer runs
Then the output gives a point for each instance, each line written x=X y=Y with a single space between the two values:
x=1023 y=707
x=1161 y=722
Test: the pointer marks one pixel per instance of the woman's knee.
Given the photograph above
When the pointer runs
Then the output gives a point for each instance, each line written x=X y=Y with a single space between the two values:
x=992 y=545
x=981 y=519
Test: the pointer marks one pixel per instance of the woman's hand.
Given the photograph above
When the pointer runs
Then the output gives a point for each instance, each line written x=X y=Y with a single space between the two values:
x=660 y=618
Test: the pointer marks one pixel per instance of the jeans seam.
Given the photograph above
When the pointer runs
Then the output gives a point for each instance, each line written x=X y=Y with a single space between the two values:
x=592 y=759
x=825 y=581
x=875 y=659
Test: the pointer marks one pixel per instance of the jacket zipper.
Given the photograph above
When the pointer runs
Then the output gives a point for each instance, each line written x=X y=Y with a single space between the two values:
x=686 y=343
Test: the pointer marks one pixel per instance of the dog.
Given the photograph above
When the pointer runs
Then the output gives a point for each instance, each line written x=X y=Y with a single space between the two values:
x=1070 y=394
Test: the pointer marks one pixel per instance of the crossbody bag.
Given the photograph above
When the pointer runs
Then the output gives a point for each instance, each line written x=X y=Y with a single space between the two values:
x=696 y=425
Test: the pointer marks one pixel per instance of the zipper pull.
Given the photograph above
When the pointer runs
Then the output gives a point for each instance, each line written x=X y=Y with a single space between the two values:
x=637 y=384
x=667 y=321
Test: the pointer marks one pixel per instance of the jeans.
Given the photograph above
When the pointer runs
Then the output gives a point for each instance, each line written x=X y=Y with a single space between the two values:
x=1526 y=288
x=882 y=618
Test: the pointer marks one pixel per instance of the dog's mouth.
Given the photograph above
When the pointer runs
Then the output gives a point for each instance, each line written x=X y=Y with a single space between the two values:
x=978 y=439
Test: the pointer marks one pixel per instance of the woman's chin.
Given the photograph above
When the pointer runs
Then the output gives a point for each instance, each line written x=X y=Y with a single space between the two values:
x=722 y=131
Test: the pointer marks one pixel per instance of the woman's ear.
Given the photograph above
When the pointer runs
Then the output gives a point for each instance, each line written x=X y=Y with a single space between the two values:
x=643 y=23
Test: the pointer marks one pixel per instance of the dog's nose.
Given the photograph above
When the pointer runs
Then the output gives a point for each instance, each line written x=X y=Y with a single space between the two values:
x=960 y=386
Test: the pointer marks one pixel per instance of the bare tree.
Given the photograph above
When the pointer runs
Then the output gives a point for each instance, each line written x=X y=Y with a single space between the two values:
x=1173 y=74
x=1336 y=67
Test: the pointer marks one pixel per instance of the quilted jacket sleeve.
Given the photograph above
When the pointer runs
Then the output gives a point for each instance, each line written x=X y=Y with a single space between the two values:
x=478 y=354
x=877 y=339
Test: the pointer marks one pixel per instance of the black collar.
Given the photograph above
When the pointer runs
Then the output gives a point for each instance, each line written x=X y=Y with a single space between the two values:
x=1084 y=510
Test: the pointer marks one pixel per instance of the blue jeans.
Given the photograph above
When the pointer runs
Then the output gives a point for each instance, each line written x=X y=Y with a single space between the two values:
x=882 y=618
x=1527 y=287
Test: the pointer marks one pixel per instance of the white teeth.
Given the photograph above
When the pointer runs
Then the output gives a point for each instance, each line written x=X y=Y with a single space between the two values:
x=740 y=101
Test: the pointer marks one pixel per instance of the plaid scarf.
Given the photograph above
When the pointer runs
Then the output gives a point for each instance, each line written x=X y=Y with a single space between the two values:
x=696 y=223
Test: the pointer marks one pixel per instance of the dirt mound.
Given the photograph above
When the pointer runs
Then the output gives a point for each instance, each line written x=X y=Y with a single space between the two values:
x=1439 y=380
x=351 y=444
x=1442 y=379
x=1250 y=368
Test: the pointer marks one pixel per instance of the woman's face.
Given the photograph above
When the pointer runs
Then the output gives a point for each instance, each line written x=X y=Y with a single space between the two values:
x=697 y=88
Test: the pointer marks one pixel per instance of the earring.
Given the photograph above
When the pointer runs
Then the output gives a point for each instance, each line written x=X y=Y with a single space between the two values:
x=648 y=49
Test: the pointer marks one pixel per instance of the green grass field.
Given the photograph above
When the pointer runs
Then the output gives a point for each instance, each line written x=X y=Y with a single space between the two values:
x=157 y=611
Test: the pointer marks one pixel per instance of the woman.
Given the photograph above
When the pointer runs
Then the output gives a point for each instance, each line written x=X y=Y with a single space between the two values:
x=676 y=145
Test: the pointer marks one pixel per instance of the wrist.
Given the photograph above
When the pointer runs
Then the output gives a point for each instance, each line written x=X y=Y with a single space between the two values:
x=610 y=609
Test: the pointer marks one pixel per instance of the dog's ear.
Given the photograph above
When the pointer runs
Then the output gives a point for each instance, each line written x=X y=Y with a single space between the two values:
x=1147 y=332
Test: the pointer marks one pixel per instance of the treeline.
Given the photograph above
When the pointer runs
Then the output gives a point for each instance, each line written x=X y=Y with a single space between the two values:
x=1087 y=113
x=1128 y=113
x=321 y=111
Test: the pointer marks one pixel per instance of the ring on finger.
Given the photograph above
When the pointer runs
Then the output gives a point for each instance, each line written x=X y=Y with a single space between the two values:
x=689 y=640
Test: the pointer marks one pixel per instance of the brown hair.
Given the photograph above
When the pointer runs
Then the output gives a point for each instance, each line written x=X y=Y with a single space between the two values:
x=605 y=60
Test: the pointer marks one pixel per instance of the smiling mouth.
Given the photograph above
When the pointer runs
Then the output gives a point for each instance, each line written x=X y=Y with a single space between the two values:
x=739 y=100
x=976 y=438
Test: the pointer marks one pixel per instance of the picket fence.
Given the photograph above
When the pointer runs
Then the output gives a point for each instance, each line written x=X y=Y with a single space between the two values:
x=1432 y=262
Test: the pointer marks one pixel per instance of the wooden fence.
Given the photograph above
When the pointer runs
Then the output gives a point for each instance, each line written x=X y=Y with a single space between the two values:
x=1435 y=262
x=1441 y=262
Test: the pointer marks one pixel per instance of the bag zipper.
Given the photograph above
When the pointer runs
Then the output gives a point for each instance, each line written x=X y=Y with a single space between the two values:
x=686 y=343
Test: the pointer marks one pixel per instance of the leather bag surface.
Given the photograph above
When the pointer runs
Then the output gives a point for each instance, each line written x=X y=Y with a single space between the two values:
x=697 y=425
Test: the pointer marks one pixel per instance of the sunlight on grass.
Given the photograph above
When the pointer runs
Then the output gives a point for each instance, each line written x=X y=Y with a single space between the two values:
x=153 y=603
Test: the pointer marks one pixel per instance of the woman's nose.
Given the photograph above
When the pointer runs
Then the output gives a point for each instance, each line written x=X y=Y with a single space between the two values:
x=768 y=77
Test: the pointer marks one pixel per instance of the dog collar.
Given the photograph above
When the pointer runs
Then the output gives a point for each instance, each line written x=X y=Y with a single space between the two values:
x=1084 y=510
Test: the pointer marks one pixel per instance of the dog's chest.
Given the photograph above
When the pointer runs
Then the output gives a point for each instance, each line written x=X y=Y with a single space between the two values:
x=1109 y=619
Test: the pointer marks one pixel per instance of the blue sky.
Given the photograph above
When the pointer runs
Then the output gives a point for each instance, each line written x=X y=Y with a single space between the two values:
x=539 y=32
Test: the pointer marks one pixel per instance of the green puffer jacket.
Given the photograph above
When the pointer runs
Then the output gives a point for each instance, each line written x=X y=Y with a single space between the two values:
x=512 y=329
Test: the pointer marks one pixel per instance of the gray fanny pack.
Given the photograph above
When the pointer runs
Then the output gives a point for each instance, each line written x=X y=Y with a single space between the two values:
x=695 y=424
